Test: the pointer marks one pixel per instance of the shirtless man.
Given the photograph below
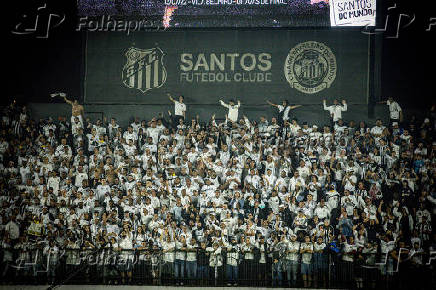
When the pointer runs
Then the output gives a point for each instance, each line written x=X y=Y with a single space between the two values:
x=76 y=110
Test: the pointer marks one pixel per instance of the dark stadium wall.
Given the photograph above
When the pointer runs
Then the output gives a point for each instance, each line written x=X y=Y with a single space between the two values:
x=274 y=58
x=302 y=66
x=63 y=66
x=36 y=67
x=36 y=64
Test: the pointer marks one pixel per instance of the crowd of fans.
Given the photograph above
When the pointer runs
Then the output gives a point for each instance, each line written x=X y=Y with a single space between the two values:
x=267 y=200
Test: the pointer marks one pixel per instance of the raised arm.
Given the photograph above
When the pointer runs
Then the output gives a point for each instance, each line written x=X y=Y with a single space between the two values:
x=294 y=107
x=274 y=105
x=171 y=98
x=213 y=122
x=224 y=104
x=247 y=122
x=65 y=99
x=324 y=103
x=344 y=107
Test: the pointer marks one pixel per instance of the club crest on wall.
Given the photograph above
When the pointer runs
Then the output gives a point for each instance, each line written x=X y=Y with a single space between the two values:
x=310 y=67
x=144 y=69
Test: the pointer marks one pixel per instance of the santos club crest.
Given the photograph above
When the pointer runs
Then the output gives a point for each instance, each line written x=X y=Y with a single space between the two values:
x=310 y=67
x=144 y=69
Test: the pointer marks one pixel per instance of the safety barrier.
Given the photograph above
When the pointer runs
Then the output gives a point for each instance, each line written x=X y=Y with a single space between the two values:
x=150 y=267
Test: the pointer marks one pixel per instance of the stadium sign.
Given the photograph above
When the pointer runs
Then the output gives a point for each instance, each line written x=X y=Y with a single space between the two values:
x=225 y=67
x=303 y=66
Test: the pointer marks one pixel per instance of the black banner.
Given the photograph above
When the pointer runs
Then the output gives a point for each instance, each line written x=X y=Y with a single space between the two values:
x=204 y=66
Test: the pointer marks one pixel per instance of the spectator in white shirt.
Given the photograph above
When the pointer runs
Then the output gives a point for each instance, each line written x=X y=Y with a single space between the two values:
x=13 y=229
x=335 y=110
x=53 y=182
x=125 y=245
x=232 y=114
x=395 y=111
x=179 y=110
x=136 y=125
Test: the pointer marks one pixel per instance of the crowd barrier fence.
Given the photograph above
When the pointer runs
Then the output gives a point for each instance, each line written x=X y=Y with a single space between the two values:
x=150 y=267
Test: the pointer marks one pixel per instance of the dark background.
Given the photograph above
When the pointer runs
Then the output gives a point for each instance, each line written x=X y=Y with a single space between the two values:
x=36 y=67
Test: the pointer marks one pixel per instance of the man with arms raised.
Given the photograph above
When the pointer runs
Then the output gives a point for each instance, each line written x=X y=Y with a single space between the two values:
x=76 y=109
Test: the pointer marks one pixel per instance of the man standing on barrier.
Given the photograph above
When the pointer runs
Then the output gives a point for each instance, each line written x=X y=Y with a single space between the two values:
x=232 y=114
x=77 y=110
x=284 y=110
x=395 y=111
x=179 y=110
x=335 y=110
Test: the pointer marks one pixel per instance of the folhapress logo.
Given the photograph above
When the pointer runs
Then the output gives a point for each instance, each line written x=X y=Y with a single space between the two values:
x=38 y=22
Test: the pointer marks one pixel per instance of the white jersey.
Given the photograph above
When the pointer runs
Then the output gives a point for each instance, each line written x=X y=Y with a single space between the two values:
x=394 y=110
x=232 y=115
x=335 y=111
x=294 y=247
x=306 y=258
x=179 y=108
x=170 y=255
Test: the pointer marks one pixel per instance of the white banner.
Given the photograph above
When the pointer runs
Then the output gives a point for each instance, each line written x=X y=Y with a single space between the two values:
x=352 y=12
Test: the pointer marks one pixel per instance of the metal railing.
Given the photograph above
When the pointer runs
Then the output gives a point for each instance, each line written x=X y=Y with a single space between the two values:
x=154 y=267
